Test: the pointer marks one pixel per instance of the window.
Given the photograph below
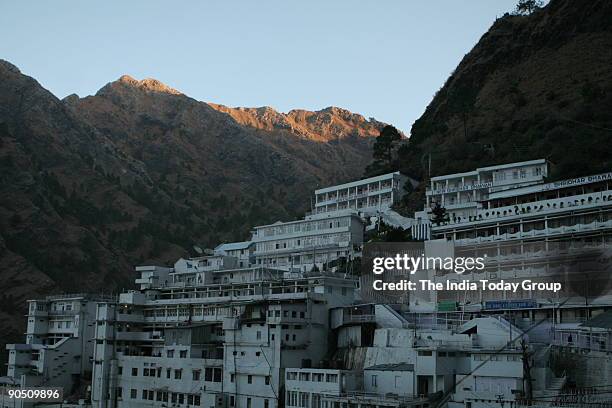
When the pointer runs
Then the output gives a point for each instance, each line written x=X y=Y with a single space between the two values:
x=196 y=400
x=168 y=371
x=249 y=403
x=266 y=403
x=267 y=380
x=170 y=353
x=145 y=394
x=258 y=353
x=425 y=353
x=292 y=398
x=133 y=393
x=196 y=375
x=398 y=381
x=232 y=377
x=332 y=378
x=303 y=399
x=258 y=335
x=119 y=392
x=374 y=381
x=119 y=370
x=178 y=374
x=250 y=379
x=134 y=371
x=183 y=353
x=232 y=401
x=291 y=375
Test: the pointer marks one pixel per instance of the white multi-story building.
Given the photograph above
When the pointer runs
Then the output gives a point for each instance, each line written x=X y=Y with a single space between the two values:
x=368 y=196
x=242 y=251
x=302 y=245
x=528 y=229
x=461 y=194
x=59 y=345
x=473 y=363
x=216 y=341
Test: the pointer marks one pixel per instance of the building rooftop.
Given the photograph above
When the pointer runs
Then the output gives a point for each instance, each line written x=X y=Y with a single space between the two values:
x=602 y=321
x=489 y=168
x=232 y=246
x=392 y=367
x=357 y=183
x=277 y=223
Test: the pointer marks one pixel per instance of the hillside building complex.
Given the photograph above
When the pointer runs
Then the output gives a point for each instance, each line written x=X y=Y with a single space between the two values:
x=279 y=321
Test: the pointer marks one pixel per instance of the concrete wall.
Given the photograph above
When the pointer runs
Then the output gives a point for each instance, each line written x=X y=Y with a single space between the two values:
x=593 y=369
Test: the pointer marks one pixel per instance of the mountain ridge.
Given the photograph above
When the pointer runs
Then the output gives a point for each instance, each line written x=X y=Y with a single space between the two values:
x=140 y=173
x=534 y=86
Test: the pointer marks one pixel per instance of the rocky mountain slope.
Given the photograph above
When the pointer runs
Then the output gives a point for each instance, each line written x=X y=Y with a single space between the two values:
x=140 y=172
x=533 y=86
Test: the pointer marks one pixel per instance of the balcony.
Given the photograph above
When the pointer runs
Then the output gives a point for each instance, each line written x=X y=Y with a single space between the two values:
x=130 y=317
x=541 y=208
x=358 y=319
x=139 y=336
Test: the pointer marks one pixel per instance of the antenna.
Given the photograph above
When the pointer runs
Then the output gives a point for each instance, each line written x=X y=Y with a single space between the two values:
x=198 y=249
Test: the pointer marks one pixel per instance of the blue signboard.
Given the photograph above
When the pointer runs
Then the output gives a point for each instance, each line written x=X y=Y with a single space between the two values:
x=511 y=304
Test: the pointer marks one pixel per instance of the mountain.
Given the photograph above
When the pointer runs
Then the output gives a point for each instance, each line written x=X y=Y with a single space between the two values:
x=535 y=86
x=140 y=172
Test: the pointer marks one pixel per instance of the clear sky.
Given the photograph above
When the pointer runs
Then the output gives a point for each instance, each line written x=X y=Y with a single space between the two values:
x=383 y=59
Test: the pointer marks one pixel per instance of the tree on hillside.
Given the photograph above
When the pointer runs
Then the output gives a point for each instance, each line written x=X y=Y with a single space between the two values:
x=384 y=152
x=526 y=7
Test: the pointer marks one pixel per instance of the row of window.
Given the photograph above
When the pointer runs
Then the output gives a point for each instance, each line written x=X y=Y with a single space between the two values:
x=304 y=242
x=316 y=377
x=303 y=227
x=294 y=313
x=211 y=374
x=497 y=357
x=164 y=396
x=351 y=191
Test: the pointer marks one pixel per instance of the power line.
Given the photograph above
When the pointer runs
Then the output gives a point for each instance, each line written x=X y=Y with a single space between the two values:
x=447 y=394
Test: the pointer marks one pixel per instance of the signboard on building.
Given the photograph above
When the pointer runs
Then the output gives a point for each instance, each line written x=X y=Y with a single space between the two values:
x=447 y=306
x=577 y=181
x=464 y=187
x=511 y=304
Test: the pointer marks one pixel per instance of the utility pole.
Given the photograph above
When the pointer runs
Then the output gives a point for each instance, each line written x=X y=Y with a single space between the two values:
x=526 y=357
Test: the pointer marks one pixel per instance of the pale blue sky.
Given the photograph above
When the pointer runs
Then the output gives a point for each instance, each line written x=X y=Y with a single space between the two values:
x=383 y=59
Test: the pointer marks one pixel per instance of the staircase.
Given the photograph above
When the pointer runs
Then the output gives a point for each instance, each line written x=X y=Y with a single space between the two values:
x=553 y=391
